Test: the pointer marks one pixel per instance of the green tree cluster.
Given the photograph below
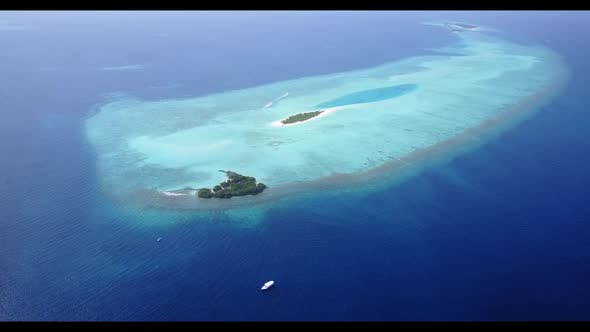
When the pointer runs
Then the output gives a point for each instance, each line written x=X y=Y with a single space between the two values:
x=235 y=185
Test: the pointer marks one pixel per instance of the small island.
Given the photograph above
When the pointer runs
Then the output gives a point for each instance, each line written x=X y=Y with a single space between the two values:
x=301 y=117
x=235 y=185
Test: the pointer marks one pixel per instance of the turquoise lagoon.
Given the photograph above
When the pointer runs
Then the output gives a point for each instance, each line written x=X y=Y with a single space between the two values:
x=378 y=117
x=369 y=96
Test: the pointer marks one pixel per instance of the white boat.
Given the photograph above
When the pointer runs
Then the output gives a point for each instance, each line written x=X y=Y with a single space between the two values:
x=159 y=239
x=267 y=285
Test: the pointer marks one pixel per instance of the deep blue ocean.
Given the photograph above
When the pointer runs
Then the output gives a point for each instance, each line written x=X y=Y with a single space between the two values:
x=499 y=233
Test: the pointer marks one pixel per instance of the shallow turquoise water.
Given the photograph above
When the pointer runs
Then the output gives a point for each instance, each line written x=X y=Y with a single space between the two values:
x=370 y=96
x=374 y=116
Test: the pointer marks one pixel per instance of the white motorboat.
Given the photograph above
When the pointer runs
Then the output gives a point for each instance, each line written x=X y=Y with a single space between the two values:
x=267 y=285
x=159 y=239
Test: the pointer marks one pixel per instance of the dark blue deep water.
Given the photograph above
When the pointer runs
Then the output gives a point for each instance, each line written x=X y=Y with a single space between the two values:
x=500 y=233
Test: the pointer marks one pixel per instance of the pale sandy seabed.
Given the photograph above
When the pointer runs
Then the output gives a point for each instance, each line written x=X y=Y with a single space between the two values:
x=148 y=151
